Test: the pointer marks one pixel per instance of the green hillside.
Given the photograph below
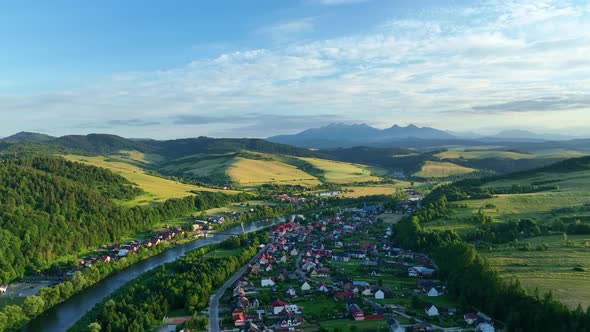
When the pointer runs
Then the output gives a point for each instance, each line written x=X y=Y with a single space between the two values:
x=519 y=220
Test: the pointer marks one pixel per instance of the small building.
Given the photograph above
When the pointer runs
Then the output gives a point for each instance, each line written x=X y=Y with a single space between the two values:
x=323 y=288
x=3 y=288
x=122 y=252
x=278 y=306
x=431 y=310
x=394 y=326
x=305 y=287
x=356 y=312
x=433 y=292
x=470 y=317
x=379 y=295
x=485 y=327
x=290 y=292
x=267 y=282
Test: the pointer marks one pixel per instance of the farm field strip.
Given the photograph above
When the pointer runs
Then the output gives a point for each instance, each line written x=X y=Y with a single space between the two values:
x=156 y=189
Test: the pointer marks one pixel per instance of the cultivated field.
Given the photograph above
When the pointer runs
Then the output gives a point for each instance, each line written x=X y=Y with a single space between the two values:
x=156 y=189
x=252 y=172
x=552 y=269
x=345 y=173
x=435 y=169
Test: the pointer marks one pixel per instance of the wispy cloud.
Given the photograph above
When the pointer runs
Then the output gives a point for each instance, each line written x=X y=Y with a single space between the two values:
x=285 y=31
x=543 y=104
x=483 y=62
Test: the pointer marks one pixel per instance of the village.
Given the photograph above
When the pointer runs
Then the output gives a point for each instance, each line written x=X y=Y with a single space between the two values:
x=343 y=272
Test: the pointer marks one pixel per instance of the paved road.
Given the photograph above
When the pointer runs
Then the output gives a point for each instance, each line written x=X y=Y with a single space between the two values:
x=214 y=325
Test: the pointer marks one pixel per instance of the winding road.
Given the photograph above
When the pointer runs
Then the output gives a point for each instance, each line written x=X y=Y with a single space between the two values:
x=214 y=324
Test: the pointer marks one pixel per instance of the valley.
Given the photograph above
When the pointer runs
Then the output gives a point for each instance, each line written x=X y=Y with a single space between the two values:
x=516 y=220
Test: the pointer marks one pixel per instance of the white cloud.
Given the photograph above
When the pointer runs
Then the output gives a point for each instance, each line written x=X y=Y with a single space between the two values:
x=429 y=70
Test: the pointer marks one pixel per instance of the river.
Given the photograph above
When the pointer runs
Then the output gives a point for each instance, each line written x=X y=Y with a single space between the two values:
x=64 y=315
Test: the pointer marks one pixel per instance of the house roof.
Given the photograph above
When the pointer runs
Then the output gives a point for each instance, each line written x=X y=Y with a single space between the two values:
x=278 y=303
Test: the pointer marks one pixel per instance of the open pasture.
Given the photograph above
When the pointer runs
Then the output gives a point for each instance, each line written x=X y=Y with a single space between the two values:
x=435 y=169
x=345 y=173
x=552 y=269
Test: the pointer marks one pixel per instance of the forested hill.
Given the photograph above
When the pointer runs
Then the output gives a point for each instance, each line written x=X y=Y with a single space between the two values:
x=171 y=149
x=50 y=208
x=205 y=145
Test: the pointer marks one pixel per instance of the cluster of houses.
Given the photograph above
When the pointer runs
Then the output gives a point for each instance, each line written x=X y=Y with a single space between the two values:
x=303 y=261
x=117 y=251
x=286 y=198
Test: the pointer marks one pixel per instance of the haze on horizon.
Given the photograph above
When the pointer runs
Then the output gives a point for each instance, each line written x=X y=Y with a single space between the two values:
x=262 y=68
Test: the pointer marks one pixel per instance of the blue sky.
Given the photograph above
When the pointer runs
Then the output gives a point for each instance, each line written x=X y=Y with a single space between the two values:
x=259 y=68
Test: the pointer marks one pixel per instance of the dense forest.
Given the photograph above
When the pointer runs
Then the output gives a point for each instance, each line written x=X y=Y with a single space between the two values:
x=184 y=284
x=50 y=207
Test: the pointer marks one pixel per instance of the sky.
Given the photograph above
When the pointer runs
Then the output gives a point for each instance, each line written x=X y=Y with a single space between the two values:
x=257 y=68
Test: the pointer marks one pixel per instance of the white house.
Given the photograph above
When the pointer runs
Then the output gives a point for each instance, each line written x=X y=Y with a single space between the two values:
x=379 y=295
x=122 y=252
x=431 y=310
x=433 y=292
x=305 y=287
x=395 y=327
x=323 y=288
x=367 y=292
x=3 y=288
x=278 y=306
x=293 y=308
x=291 y=292
x=484 y=327
x=267 y=282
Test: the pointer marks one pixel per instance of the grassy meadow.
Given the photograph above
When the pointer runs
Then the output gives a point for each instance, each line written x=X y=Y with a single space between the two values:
x=345 y=173
x=436 y=169
x=252 y=172
x=573 y=189
x=156 y=189
x=552 y=269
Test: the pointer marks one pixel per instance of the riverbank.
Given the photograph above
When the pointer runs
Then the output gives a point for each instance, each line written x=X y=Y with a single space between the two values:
x=62 y=314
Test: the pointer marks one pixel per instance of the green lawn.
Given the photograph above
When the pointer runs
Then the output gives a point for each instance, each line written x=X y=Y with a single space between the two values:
x=345 y=324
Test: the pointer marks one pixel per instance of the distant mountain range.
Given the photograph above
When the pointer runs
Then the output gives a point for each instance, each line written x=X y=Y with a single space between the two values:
x=344 y=135
x=349 y=135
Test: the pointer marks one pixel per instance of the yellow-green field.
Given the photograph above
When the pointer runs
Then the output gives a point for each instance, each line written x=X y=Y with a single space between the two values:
x=376 y=189
x=156 y=189
x=344 y=173
x=456 y=153
x=248 y=172
x=552 y=269
x=573 y=190
x=435 y=169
